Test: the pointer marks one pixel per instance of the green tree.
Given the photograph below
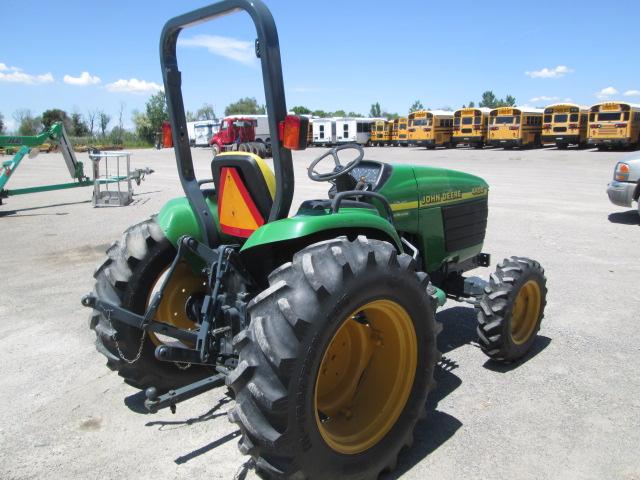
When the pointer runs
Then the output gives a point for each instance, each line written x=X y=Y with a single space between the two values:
x=320 y=113
x=78 y=126
x=206 y=112
x=488 y=100
x=147 y=124
x=103 y=120
x=1 y=123
x=510 y=100
x=390 y=116
x=300 y=110
x=472 y=104
x=143 y=127
x=376 y=110
x=244 y=105
x=355 y=115
x=415 y=106
x=28 y=124
x=339 y=113
x=190 y=116
x=53 y=115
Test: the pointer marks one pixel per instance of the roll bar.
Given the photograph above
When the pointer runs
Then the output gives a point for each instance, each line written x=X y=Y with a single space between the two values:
x=268 y=50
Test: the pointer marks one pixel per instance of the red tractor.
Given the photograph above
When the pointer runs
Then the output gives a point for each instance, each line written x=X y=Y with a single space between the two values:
x=239 y=133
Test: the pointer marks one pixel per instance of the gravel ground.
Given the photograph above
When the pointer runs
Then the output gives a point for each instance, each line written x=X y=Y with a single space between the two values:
x=570 y=410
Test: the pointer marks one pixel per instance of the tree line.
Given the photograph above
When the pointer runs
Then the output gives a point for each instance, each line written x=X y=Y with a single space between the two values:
x=148 y=122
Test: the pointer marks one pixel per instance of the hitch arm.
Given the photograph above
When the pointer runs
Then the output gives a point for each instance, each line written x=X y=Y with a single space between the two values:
x=115 y=312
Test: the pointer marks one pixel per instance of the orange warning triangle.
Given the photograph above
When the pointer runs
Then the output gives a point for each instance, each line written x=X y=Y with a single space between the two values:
x=237 y=213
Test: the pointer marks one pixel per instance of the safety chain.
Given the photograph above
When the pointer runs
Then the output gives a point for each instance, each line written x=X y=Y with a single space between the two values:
x=115 y=339
x=181 y=366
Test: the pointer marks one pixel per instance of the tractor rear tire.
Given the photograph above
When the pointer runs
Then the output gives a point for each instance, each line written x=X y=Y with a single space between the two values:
x=354 y=309
x=126 y=278
x=511 y=309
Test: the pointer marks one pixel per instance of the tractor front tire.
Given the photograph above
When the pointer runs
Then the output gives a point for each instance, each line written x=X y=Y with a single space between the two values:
x=335 y=366
x=511 y=309
x=127 y=277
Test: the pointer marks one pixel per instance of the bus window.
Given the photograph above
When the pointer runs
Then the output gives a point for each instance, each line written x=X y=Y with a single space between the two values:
x=502 y=120
x=477 y=120
x=547 y=119
x=592 y=117
x=608 y=117
x=456 y=121
x=403 y=126
x=467 y=120
x=561 y=118
x=345 y=130
x=573 y=118
x=626 y=116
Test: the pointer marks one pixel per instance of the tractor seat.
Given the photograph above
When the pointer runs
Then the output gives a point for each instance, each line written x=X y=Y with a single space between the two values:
x=325 y=204
x=245 y=187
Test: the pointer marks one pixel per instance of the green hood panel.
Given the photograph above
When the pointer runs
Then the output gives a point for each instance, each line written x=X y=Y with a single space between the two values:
x=304 y=225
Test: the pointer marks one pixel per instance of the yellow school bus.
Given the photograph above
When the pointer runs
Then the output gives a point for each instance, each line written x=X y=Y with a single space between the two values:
x=614 y=124
x=515 y=127
x=565 y=124
x=381 y=133
x=399 y=131
x=470 y=127
x=430 y=128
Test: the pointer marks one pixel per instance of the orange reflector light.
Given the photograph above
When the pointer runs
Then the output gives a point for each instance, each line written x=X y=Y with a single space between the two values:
x=293 y=132
x=623 y=168
x=237 y=212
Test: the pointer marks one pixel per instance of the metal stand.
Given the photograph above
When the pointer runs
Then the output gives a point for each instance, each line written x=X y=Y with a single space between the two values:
x=109 y=189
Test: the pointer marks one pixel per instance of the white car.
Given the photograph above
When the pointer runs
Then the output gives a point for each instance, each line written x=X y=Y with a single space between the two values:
x=625 y=186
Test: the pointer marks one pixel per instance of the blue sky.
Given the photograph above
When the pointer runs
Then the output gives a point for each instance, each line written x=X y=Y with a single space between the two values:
x=336 y=54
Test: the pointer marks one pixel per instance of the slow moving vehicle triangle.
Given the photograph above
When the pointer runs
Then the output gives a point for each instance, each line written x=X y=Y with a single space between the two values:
x=237 y=212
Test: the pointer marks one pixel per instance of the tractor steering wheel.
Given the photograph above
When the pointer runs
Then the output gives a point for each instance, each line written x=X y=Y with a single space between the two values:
x=339 y=169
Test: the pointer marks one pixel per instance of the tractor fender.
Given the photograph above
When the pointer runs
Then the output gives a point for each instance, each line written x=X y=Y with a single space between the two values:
x=176 y=218
x=349 y=221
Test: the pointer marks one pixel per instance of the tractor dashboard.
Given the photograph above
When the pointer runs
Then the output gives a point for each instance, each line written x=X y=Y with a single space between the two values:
x=373 y=174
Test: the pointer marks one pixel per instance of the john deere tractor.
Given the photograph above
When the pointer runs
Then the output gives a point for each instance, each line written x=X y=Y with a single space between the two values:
x=322 y=323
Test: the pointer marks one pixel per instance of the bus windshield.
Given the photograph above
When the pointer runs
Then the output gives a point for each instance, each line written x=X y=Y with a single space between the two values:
x=606 y=117
x=505 y=120
x=467 y=120
x=419 y=121
x=560 y=118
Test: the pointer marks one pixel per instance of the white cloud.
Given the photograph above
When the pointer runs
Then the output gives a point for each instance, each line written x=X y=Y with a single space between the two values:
x=83 y=80
x=242 y=51
x=17 y=75
x=606 y=93
x=632 y=93
x=543 y=98
x=559 y=71
x=133 y=85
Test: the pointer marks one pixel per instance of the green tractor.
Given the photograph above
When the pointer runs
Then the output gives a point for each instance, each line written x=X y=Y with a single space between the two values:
x=321 y=324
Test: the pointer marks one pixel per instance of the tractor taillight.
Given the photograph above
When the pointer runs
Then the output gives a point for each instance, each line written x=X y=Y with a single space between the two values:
x=493 y=128
x=293 y=132
x=621 y=125
x=595 y=125
x=546 y=126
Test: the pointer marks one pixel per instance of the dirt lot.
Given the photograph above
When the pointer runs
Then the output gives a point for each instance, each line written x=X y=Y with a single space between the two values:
x=570 y=410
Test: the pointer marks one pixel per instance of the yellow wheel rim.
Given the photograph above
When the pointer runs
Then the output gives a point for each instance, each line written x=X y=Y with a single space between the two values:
x=366 y=376
x=526 y=311
x=182 y=286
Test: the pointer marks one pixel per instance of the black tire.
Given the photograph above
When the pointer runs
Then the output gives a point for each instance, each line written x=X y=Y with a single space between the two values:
x=126 y=278
x=292 y=323
x=496 y=307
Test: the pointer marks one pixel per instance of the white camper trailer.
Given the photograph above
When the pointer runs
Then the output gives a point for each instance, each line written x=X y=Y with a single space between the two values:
x=203 y=131
x=354 y=130
x=324 y=131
